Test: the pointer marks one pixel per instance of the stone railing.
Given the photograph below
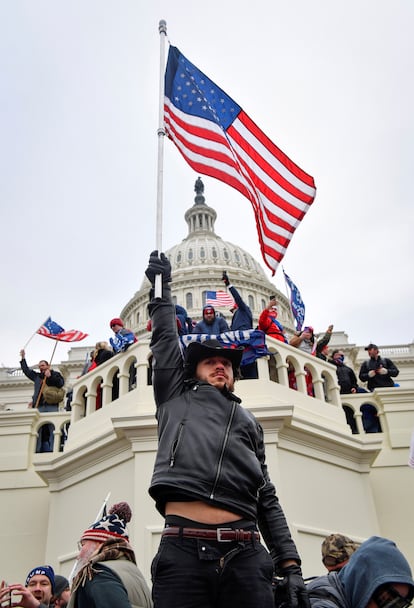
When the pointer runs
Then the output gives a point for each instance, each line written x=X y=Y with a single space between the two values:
x=110 y=381
x=130 y=371
x=126 y=379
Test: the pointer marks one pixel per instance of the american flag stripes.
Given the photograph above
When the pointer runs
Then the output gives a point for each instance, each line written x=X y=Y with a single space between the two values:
x=217 y=138
x=219 y=298
x=51 y=329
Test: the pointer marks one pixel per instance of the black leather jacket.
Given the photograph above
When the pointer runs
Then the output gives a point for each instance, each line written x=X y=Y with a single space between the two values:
x=210 y=447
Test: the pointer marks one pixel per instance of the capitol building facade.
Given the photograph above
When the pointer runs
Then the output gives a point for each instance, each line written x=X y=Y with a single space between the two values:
x=328 y=478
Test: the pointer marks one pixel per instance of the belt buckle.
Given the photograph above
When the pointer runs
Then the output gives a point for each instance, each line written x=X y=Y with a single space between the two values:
x=219 y=533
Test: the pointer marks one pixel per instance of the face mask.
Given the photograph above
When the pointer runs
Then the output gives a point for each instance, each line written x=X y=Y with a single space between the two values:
x=340 y=359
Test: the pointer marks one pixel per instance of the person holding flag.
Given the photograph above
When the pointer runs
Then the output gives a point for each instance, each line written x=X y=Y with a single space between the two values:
x=44 y=379
x=210 y=479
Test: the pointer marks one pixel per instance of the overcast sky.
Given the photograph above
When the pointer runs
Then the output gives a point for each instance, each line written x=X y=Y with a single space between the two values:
x=330 y=82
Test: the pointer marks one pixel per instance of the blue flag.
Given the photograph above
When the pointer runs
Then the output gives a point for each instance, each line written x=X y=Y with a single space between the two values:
x=253 y=341
x=296 y=303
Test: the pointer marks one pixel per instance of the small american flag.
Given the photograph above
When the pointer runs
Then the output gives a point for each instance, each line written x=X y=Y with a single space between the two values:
x=217 y=138
x=219 y=298
x=51 y=329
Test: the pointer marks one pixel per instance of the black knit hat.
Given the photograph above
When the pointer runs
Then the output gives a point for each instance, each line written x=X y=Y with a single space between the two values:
x=61 y=584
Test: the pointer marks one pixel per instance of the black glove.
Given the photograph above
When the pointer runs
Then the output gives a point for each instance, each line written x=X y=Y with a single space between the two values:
x=158 y=265
x=291 y=591
x=225 y=278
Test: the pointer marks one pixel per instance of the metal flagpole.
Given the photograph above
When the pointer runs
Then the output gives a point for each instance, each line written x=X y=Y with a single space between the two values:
x=162 y=28
x=44 y=379
x=288 y=293
x=31 y=337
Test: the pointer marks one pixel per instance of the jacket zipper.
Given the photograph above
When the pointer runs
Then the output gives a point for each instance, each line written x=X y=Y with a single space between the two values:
x=223 y=448
x=175 y=444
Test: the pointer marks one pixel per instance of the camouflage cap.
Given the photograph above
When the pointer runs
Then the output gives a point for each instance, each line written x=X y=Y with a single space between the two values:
x=336 y=550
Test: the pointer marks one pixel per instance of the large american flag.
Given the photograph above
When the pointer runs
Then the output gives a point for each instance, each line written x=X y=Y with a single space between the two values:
x=53 y=330
x=219 y=298
x=217 y=138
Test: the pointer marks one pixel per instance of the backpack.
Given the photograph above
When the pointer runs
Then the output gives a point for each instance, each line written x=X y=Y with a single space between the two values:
x=52 y=394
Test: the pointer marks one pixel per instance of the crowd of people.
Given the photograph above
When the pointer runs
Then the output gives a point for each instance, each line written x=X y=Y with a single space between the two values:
x=375 y=372
x=105 y=574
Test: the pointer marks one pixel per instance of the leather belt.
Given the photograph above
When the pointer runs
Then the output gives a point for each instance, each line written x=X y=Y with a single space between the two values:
x=222 y=535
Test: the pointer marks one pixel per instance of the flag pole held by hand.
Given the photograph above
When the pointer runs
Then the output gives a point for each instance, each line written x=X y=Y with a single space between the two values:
x=98 y=517
x=162 y=28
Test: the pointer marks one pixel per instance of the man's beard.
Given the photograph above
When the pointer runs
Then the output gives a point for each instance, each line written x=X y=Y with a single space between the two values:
x=83 y=561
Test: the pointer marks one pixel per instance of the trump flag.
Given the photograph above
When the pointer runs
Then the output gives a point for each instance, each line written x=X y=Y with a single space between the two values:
x=296 y=303
x=217 y=138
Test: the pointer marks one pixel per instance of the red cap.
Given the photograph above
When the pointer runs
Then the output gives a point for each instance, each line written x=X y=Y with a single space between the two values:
x=116 y=321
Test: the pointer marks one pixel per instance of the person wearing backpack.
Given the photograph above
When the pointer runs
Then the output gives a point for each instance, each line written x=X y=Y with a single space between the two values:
x=48 y=393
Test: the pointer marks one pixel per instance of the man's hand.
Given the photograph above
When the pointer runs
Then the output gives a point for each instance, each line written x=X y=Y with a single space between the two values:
x=21 y=594
x=158 y=265
x=383 y=371
x=294 y=587
x=225 y=278
x=371 y=373
x=23 y=353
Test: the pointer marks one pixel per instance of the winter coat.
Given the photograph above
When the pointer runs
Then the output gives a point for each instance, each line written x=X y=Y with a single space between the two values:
x=242 y=316
x=346 y=377
x=271 y=326
x=218 y=326
x=117 y=583
x=379 y=380
x=56 y=379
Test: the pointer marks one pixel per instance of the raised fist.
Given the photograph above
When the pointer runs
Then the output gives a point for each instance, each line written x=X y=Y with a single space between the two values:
x=225 y=278
x=158 y=265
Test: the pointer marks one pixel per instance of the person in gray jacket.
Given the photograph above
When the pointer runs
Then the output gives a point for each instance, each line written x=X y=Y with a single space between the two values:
x=377 y=575
x=210 y=478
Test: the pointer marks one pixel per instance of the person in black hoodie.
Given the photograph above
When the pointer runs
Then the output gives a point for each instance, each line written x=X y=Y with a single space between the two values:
x=347 y=379
x=210 y=479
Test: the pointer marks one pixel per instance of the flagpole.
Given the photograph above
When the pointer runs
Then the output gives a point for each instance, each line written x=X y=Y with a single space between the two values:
x=44 y=379
x=287 y=289
x=162 y=28
x=98 y=517
x=30 y=339
x=53 y=352
x=32 y=336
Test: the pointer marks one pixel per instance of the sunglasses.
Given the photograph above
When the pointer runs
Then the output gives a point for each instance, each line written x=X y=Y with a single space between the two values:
x=388 y=597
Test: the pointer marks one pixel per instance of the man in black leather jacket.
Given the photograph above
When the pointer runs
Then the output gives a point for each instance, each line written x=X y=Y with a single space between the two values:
x=210 y=480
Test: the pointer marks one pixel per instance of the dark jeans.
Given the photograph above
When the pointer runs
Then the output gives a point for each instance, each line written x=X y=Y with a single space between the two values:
x=193 y=573
x=46 y=437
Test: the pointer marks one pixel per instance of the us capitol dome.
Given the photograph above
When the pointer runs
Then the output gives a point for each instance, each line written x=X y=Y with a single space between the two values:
x=197 y=265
